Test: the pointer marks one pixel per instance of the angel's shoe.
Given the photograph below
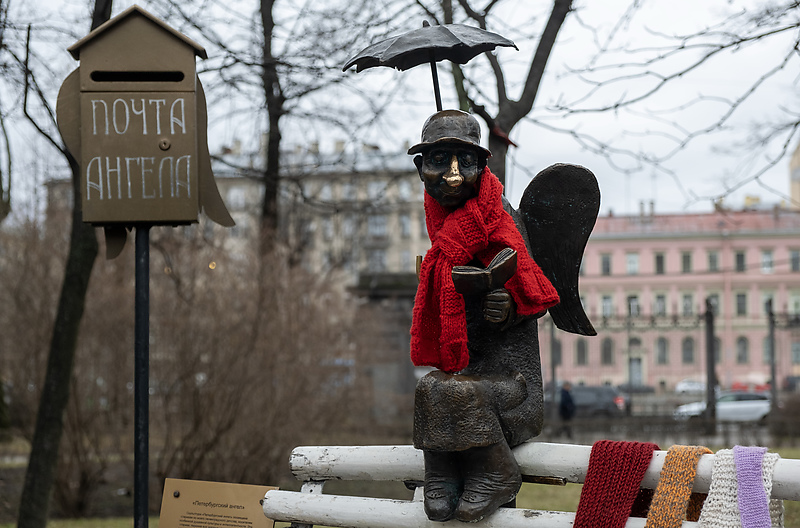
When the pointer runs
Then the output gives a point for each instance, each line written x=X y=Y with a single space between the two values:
x=442 y=485
x=491 y=479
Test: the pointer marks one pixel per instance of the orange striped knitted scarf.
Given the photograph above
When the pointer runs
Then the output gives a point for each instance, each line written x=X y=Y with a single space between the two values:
x=674 y=501
x=477 y=230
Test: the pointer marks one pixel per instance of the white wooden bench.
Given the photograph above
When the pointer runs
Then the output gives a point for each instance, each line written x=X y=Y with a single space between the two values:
x=539 y=462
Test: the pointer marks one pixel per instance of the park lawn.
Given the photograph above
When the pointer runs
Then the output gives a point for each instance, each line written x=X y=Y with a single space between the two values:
x=531 y=496
x=118 y=522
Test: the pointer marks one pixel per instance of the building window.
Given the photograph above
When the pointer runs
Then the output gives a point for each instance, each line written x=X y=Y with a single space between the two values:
x=659 y=263
x=740 y=263
x=794 y=304
x=607 y=306
x=237 y=198
x=423 y=226
x=767 y=351
x=686 y=262
x=713 y=261
x=660 y=305
x=405 y=225
x=742 y=351
x=605 y=264
x=632 y=263
x=633 y=305
x=376 y=190
x=713 y=300
x=327 y=228
x=688 y=304
x=687 y=351
x=795 y=352
x=376 y=225
x=607 y=351
x=376 y=260
x=581 y=352
x=406 y=264
x=741 y=304
x=404 y=190
x=325 y=193
x=794 y=259
x=349 y=191
x=767 y=263
x=662 y=351
x=349 y=225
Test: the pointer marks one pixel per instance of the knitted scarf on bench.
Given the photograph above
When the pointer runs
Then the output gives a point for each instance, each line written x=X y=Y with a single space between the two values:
x=612 y=483
x=674 y=501
x=477 y=230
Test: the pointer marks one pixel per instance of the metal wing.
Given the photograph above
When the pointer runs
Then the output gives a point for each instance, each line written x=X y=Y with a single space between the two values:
x=559 y=209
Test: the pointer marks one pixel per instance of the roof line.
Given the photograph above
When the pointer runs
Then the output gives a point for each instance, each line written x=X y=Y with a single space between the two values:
x=75 y=48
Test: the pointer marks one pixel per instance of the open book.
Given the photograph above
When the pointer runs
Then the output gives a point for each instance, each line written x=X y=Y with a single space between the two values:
x=471 y=280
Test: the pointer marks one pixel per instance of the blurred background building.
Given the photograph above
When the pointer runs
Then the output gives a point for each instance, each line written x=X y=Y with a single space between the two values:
x=645 y=280
x=356 y=220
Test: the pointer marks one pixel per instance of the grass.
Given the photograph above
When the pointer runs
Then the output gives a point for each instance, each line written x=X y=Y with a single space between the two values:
x=531 y=496
x=554 y=498
x=124 y=522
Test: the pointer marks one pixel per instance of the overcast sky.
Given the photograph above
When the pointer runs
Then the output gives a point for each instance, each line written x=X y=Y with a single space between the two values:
x=686 y=183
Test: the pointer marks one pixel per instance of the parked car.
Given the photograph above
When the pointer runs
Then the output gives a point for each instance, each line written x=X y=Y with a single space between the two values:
x=636 y=388
x=690 y=386
x=603 y=401
x=731 y=407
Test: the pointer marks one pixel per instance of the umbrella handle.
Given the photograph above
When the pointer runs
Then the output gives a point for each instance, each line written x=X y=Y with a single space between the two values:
x=435 y=76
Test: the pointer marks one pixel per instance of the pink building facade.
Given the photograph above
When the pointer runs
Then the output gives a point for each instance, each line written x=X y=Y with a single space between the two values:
x=644 y=284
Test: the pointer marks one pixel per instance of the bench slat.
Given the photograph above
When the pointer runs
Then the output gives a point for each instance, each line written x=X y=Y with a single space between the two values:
x=404 y=463
x=360 y=512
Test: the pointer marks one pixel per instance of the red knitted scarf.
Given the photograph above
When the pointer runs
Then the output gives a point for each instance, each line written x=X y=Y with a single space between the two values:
x=613 y=481
x=477 y=230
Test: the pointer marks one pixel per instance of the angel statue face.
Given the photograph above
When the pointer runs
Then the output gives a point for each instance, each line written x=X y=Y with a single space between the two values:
x=450 y=174
x=452 y=158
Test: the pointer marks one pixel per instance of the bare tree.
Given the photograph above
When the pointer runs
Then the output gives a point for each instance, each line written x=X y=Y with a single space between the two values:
x=238 y=382
x=278 y=70
x=39 y=477
x=663 y=83
x=233 y=389
x=8 y=58
x=500 y=110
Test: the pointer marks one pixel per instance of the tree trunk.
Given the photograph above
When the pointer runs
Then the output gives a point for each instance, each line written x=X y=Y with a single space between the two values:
x=510 y=112
x=37 y=488
x=274 y=99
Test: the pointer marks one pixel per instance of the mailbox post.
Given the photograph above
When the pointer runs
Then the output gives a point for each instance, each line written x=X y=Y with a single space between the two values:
x=134 y=116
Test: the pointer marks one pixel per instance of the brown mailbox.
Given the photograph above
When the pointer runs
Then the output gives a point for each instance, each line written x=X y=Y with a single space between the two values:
x=141 y=125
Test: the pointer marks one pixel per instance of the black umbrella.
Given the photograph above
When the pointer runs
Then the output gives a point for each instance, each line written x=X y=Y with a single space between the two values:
x=455 y=42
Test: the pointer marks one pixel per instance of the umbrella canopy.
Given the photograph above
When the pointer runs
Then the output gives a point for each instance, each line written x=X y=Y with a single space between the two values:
x=454 y=42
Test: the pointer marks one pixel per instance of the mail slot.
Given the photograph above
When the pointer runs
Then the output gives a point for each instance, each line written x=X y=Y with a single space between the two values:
x=139 y=122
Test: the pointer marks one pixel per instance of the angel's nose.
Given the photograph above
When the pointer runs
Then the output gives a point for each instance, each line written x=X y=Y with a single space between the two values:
x=453 y=178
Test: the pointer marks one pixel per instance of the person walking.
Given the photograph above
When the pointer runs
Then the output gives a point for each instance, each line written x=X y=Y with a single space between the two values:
x=566 y=409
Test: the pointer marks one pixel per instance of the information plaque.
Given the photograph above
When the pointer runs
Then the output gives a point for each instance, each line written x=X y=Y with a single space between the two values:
x=201 y=504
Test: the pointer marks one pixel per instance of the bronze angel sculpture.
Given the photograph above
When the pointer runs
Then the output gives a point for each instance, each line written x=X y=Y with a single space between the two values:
x=491 y=272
